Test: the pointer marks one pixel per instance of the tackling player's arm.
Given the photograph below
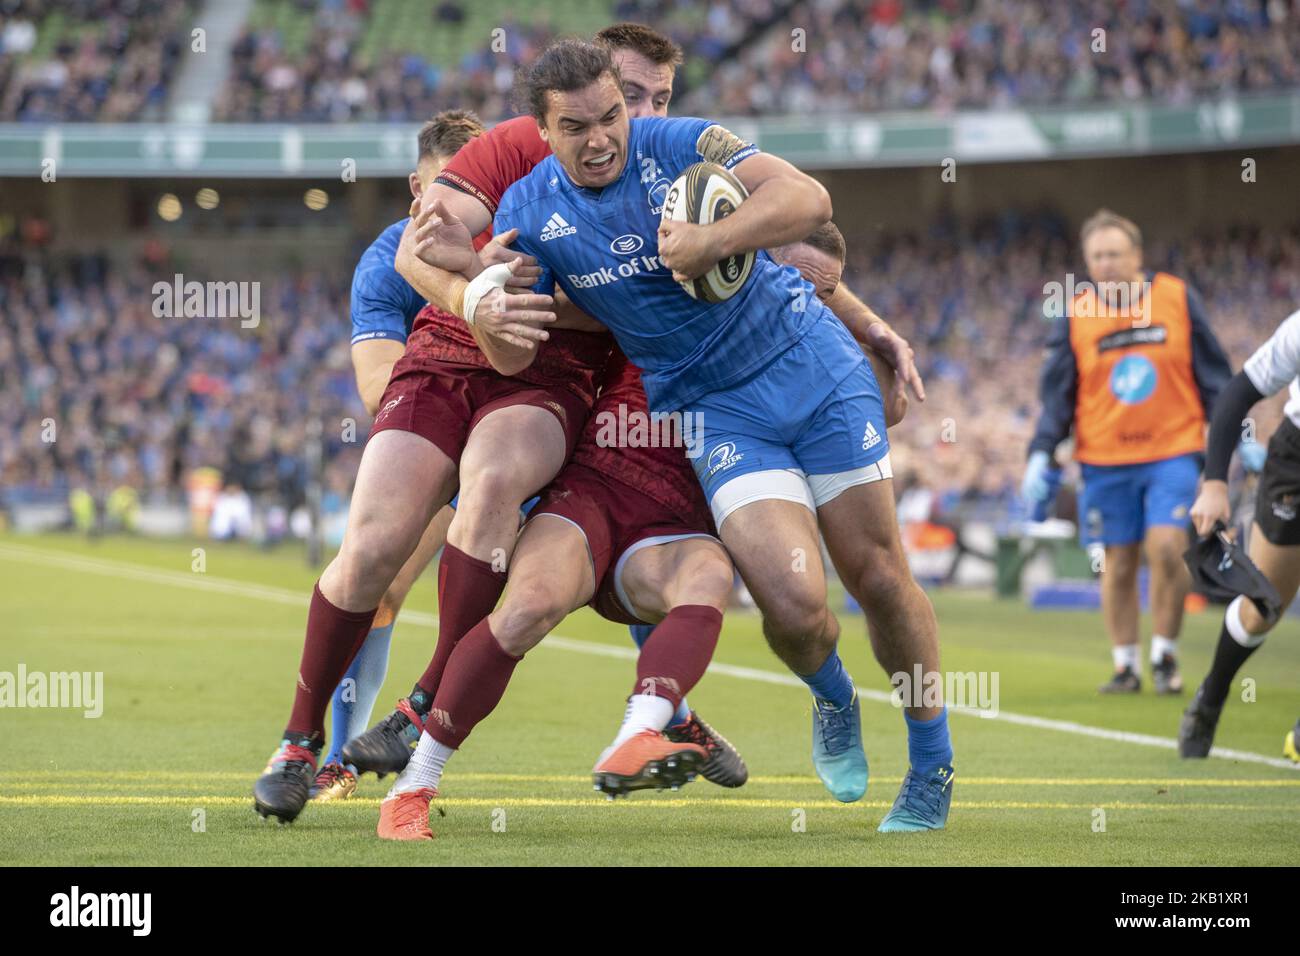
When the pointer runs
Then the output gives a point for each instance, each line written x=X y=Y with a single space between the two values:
x=871 y=330
x=506 y=322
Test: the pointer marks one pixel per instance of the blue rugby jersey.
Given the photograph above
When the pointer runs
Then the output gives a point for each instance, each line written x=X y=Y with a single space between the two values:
x=383 y=303
x=601 y=247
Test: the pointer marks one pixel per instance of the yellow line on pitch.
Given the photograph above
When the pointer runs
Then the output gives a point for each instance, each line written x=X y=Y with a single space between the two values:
x=90 y=777
x=645 y=802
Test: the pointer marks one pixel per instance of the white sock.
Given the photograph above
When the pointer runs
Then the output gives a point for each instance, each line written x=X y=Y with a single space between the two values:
x=1125 y=655
x=1237 y=630
x=1160 y=646
x=425 y=768
x=644 y=712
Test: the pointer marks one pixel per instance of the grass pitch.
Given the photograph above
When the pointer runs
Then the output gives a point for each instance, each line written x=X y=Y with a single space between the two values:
x=198 y=671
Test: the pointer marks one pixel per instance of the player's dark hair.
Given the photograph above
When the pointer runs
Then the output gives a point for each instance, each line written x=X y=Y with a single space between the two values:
x=444 y=135
x=563 y=67
x=638 y=38
x=828 y=239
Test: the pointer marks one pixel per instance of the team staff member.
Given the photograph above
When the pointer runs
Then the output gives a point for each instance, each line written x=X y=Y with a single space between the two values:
x=1134 y=369
x=1275 y=537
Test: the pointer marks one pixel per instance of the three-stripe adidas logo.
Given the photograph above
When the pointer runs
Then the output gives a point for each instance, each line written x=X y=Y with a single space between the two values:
x=557 y=227
x=870 y=437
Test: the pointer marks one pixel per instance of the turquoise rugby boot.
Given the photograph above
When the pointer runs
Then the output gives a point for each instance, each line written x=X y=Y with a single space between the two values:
x=922 y=803
x=838 y=756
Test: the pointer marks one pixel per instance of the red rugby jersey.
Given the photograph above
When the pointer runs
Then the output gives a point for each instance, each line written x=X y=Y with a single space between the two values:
x=489 y=164
x=623 y=441
x=569 y=358
x=485 y=168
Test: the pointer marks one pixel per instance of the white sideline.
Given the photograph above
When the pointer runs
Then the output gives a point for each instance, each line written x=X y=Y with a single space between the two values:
x=205 y=582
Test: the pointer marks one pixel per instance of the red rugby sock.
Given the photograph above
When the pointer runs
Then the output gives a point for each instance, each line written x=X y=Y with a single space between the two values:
x=468 y=591
x=678 y=652
x=333 y=639
x=475 y=680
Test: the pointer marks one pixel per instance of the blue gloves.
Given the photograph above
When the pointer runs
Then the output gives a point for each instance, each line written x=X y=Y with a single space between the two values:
x=1252 y=455
x=1034 y=488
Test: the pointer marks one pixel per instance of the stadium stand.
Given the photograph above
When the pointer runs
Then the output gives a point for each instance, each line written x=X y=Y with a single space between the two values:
x=142 y=400
x=84 y=60
x=340 y=60
x=947 y=54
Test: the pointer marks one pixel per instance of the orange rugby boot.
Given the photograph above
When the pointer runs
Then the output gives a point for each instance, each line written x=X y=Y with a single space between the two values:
x=646 y=761
x=406 y=816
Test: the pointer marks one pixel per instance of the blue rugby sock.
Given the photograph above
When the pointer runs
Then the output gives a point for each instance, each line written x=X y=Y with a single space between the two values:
x=354 y=698
x=928 y=744
x=640 y=634
x=371 y=670
x=831 y=682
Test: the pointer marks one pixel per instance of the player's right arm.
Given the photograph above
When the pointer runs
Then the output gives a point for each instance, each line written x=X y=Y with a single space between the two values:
x=507 y=322
x=1274 y=364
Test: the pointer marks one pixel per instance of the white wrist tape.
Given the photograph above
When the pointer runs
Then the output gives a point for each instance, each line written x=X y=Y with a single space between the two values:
x=493 y=277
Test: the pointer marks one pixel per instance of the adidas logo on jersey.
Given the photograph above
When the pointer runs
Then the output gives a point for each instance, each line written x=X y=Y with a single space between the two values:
x=870 y=437
x=557 y=227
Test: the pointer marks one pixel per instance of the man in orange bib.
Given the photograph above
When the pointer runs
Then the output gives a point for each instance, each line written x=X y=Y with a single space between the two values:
x=1133 y=368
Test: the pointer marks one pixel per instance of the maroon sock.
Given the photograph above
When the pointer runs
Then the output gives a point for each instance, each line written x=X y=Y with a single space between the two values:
x=468 y=591
x=678 y=652
x=333 y=639
x=477 y=674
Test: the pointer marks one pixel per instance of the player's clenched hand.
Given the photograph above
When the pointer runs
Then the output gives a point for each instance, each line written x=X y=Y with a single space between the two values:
x=517 y=318
x=899 y=354
x=686 y=248
x=441 y=239
x=498 y=251
x=1211 y=505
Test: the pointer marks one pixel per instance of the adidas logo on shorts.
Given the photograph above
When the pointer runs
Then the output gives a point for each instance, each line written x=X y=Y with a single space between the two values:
x=557 y=227
x=870 y=437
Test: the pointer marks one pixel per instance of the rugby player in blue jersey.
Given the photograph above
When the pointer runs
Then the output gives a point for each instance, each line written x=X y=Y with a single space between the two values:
x=793 y=418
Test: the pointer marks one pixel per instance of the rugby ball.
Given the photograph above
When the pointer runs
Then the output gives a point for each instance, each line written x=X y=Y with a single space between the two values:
x=704 y=194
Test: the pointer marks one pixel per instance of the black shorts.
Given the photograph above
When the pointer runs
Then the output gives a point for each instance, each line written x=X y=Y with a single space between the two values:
x=1277 y=500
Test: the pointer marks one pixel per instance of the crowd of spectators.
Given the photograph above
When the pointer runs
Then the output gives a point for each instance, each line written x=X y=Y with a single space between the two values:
x=866 y=55
x=142 y=400
x=112 y=60
x=753 y=57
x=99 y=389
